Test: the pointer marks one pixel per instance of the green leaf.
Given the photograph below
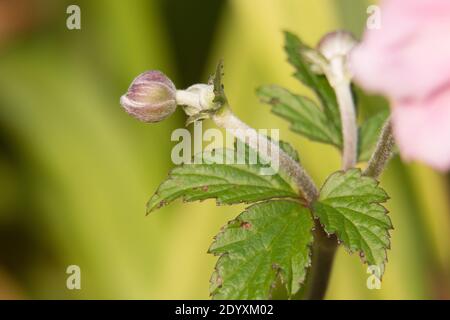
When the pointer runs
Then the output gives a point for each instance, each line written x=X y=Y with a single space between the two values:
x=304 y=115
x=318 y=83
x=227 y=183
x=349 y=206
x=269 y=241
x=369 y=134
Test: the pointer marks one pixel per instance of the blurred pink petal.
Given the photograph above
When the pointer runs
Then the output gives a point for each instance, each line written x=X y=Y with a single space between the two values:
x=422 y=130
x=408 y=60
x=410 y=54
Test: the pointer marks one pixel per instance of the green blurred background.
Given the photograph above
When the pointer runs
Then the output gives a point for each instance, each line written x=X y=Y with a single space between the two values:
x=76 y=171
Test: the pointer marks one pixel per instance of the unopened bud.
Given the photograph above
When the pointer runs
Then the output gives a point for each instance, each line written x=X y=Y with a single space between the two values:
x=336 y=44
x=151 y=97
x=335 y=47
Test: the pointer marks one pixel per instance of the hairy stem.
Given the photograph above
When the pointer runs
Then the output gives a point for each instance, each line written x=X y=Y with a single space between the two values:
x=349 y=125
x=382 y=153
x=226 y=119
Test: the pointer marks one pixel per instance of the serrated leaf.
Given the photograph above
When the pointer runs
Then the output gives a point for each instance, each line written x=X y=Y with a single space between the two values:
x=227 y=183
x=267 y=242
x=317 y=82
x=304 y=115
x=349 y=206
x=369 y=134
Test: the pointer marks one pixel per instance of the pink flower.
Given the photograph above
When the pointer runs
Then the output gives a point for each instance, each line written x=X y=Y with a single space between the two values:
x=408 y=60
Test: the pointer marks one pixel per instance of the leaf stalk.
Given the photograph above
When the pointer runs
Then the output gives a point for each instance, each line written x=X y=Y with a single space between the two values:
x=383 y=152
x=226 y=119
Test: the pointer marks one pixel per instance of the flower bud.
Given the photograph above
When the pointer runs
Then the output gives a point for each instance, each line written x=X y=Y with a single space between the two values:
x=336 y=44
x=335 y=47
x=151 y=97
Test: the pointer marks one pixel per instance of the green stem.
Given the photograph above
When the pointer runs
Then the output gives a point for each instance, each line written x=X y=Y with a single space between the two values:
x=323 y=252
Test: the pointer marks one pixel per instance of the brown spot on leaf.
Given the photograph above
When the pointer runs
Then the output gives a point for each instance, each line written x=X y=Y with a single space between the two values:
x=162 y=204
x=246 y=225
x=219 y=281
x=274 y=101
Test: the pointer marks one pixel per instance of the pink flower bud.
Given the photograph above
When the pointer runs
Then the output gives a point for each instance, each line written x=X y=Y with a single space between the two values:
x=151 y=97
